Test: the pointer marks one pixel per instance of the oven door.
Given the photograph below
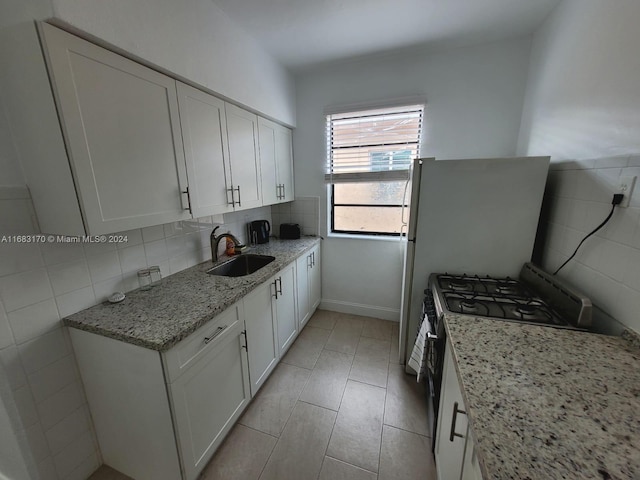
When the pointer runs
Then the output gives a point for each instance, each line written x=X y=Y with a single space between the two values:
x=434 y=360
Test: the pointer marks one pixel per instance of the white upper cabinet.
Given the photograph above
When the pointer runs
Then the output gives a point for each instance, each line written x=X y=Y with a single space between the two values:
x=242 y=133
x=124 y=125
x=276 y=161
x=121 y=125
x=204 y=133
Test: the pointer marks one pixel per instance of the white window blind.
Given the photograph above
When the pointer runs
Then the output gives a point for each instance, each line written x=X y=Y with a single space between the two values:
x=373 y=145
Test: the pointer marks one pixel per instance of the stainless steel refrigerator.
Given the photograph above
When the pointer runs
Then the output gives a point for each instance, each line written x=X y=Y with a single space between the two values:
x=475 y=216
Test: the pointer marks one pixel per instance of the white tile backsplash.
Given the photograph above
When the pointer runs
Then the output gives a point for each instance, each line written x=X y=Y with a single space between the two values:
x=37 y=442
x=305 y=211
x=156 y=252
x=67 y=460
x=43 y=350
x=18 y=257
x=70 y=276
x=134 y=237
x=132 y=258
x=85 y=469
x=151 y=234
x=6 y=336
x=59 y=406
x=23 y=289
x=75 y=301
x=26 y=406
x=54 y=253
x=67 y=430
x=607 y=265
x=33 y=321
x=104 y=266
x=52 y=378
x=10 y=359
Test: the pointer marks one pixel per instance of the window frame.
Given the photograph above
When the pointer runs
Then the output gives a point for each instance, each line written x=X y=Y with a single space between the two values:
x=332 y=231
x=332 y=205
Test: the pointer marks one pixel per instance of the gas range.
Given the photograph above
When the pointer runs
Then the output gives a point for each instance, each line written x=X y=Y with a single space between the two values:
x=535 y=297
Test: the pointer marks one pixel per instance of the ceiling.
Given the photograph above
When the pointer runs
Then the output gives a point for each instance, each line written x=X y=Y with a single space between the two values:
x=304 y=33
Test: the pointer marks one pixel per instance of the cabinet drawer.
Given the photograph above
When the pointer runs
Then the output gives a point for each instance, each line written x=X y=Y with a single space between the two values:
x=199 y=343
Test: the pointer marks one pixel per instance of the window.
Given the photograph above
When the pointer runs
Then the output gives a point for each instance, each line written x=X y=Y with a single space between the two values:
x=369 y=156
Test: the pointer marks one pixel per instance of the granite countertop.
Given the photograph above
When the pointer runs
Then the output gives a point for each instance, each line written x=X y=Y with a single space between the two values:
x=161 y=317
x=547 y=403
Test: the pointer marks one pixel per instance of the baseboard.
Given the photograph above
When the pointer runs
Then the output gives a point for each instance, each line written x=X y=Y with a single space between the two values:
x=374 y=311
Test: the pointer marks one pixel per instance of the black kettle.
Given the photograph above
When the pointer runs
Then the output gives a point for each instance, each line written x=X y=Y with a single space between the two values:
x=259 y=231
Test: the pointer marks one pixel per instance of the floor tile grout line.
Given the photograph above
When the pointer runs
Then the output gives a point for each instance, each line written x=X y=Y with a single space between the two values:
x=351 y=464
x=255 y=430
x=384 y=411
x=407 y=431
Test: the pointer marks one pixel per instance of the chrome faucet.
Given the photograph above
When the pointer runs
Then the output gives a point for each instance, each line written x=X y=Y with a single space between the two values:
x=215 y=241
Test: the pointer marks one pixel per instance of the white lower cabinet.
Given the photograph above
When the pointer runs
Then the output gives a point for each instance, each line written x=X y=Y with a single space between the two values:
x=285 y=308
x=211 y=394
x=455 y=450
x=470 y=466
x=309 y=281
x=262 y=346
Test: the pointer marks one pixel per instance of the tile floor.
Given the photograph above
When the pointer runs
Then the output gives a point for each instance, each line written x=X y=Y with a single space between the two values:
x=338 y=406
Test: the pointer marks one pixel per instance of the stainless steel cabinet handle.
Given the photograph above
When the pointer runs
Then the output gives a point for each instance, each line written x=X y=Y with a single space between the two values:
x=279 y=280
x=453 y=433
x=284 y=191
x=245 y=346
x=313 y=259
x=309 y=263
x=275 y=288
x=238 y=189
x=188 y=200
x=217 y=332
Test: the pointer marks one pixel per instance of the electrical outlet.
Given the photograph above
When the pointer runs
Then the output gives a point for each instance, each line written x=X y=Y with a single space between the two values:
x=625 y=186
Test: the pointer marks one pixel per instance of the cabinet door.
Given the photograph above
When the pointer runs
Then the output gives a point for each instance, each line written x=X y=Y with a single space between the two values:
x=242 y=131
x=450 y=450
x=315 y=279
x=303 y=264
x=284 y=161
x=268 y=170
x=204 y=133
x=261 y=335
x=470 y=466
x=121 y=126
x=208 y=398
x=286 y=309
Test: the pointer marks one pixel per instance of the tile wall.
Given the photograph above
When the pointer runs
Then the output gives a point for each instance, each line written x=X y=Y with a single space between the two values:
x=607 y=267
x=42 y=283
x=304 y=211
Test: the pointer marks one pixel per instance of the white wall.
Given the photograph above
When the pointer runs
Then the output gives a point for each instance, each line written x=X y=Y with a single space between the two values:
x=474 y=104
x=194 y=39
x=582 y=107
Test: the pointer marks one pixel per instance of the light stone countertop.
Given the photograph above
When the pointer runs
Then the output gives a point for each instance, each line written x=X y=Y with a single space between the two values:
x=547 y=403
x=161 y=317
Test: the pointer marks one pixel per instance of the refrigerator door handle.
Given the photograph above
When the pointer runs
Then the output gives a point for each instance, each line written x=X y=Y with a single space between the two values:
x=404 y=202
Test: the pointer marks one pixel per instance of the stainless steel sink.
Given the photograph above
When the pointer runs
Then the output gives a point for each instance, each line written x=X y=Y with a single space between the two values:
x=241 y=265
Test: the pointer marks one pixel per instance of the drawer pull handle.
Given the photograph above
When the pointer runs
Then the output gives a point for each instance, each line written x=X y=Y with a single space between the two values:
x=456 y=411
x=218 y=331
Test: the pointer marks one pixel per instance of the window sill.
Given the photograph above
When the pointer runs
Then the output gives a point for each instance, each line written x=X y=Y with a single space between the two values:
x=380 y=238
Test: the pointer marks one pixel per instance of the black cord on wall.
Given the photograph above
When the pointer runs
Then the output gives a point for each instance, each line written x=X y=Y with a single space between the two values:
x=617 y=199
